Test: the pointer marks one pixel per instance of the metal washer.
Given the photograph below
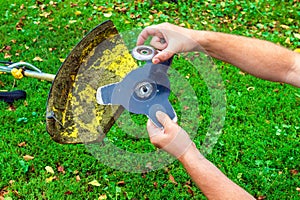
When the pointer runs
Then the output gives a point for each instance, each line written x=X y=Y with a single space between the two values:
x=143 y=52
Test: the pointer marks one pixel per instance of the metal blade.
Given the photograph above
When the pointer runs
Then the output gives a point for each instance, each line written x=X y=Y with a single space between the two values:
x=143 y=91
x=104 y=94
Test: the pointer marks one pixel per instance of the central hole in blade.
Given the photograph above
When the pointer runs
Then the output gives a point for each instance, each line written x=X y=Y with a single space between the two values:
x=144 y=89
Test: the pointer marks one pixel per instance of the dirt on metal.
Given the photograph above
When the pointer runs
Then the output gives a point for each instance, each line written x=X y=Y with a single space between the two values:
x=100 y=58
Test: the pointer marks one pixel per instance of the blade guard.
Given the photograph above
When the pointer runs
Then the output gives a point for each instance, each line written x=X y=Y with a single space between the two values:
x=73 y=115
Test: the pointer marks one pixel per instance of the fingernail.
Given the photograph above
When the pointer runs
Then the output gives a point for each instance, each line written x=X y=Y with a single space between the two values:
x=160 y=114
x=155 y=61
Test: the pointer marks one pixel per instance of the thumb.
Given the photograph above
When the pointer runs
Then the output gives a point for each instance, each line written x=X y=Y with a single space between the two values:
x=162 y=56
x=164 y=119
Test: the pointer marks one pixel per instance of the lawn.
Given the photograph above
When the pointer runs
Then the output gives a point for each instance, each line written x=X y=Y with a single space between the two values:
x=259 y=146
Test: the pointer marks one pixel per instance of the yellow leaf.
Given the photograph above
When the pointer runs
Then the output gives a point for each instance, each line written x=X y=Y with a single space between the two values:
x=284 y=26
x=38 y=59
x=50 y=179
x=77 y=13
x=28 y=157
x=297 y=50
x=188 y=25
x=297 y=35
x=102 y=197
x=287 y=40
x=61 y=59
x=49 y=169
x=45 y=14
x=94 y=183
x=7 y=56
x=107 y=14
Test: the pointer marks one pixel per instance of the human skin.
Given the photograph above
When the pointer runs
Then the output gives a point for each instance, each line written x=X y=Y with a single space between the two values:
x=212 y=182
x=260 y=58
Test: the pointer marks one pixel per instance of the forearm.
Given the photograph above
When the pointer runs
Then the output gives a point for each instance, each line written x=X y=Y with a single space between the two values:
x=212 y=182
x=260 y=58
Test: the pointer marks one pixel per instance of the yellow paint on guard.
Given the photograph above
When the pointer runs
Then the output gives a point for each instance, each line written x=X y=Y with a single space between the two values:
x=99 y=59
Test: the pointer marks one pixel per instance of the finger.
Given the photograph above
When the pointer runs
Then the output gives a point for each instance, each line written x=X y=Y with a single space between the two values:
x=156 y=42
x=152 y=129
x=164 y=119
x=162 y=56
x=149 y=31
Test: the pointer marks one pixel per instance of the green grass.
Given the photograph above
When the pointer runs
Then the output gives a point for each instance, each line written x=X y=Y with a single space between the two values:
x=259 y=147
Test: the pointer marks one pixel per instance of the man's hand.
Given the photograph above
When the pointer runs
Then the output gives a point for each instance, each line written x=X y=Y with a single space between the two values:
x=172 y=139
x=170 y=39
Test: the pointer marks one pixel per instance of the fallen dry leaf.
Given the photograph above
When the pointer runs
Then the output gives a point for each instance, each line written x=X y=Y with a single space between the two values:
x=68 y=192
x=52 y=49
x=121 y=183
x=94 y=183
x=294 y=171
x=74 y=5
x=7 y=48
x=102 y=197
x=190 y=191
x=61 y=169
x=20 y=24
x=298 y=189
x=72 y=21
x=288 y=40
x=297 y=35
x=4 y=191
x=171 y=178
x=45 y=14
x=22 y=144
x=49 y=169
x=77 y=178
x=242 y=73
x=261 y=197
x=28 y=157
x=284 y=26
x=50 y=179
x=185 y=107
x=37 y=58
x=11 y=107
x=6 y=56
x=109 y=14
